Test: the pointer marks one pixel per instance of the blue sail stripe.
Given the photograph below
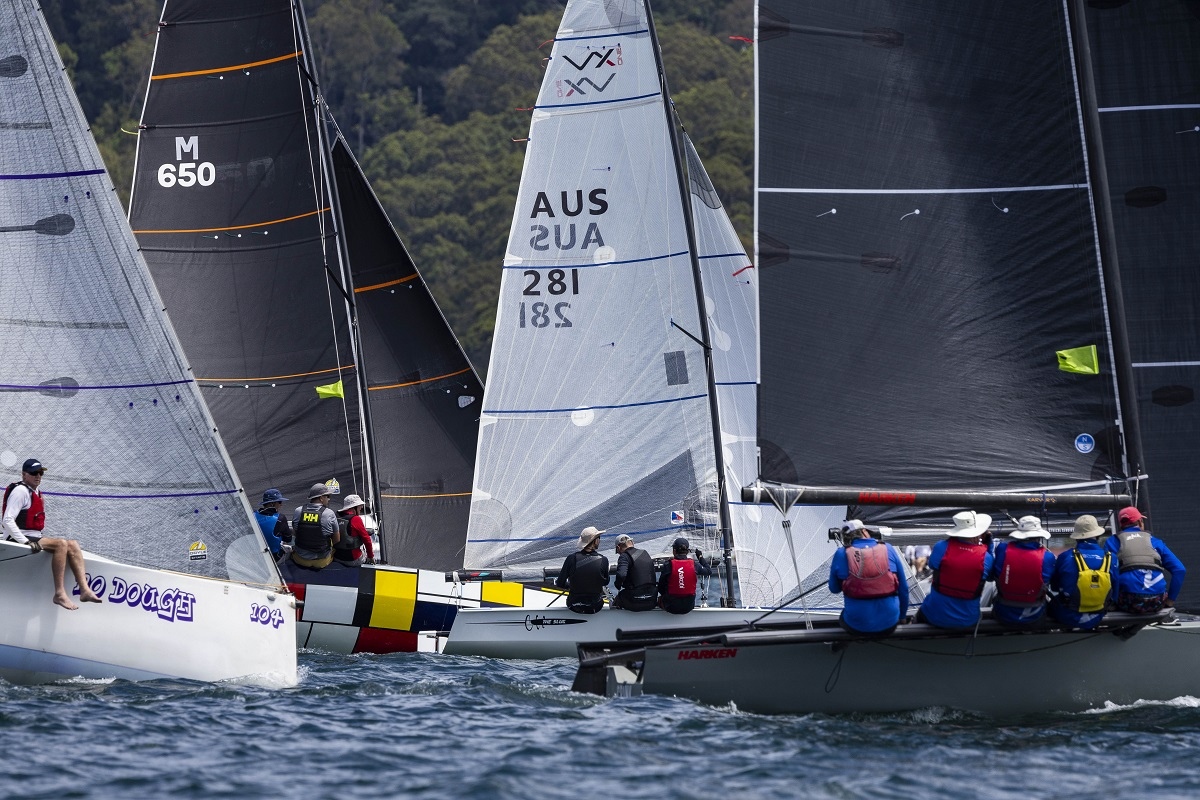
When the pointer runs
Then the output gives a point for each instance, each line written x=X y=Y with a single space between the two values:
x=601 y=102
x=737 y=383
x=56 y=388
x=725 y=255
x=601 y=36
x=37 y=176
x=593 y=408
x=603 y=264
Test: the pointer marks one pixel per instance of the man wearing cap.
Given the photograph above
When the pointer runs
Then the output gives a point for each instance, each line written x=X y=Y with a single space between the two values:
x=272 y=522
x=635 y=577
x=585 y=574
x=871 y=576
x=1022 y=570
x=1085 y=578
x=24 y=519
x=1143 y=558
x=677 y=584
x=961 y=565
x=354 y=534
x=316 y=530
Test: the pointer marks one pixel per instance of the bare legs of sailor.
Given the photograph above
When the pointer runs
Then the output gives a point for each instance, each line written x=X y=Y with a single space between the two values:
x=63 y=552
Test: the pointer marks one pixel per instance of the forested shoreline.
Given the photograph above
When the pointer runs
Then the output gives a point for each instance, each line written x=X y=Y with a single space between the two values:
x=429 y=97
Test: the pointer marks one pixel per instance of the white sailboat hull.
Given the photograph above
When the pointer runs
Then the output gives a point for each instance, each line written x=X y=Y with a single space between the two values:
x=150 y=624
x=998 y=674
x=556 y=632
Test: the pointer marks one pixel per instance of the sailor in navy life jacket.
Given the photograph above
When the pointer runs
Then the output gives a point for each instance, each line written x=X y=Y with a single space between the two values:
x=635 y=577
x=1144 y=559
x=1022 y=570
x=585 y=574
x=961 y=564
x=677 y=584
x=871 y=576
x=1085 y=578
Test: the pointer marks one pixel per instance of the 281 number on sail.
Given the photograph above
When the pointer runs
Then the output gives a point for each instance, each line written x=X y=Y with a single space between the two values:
x=538 y=314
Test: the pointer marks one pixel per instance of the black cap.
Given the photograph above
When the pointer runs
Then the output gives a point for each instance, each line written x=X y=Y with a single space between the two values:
x=680 y=544
x=32 y=465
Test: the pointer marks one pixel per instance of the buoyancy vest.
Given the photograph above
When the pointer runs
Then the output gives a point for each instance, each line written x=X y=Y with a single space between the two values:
x=682 y=582
x=1093 y=585
x=589 y=577
x=1137 y=552
x=871 y=575
x=960 y=573
x=267 y=523
x=349 y=541
x=307 y=534
x=1020 y=584
x=32 y=518
x=641 y=570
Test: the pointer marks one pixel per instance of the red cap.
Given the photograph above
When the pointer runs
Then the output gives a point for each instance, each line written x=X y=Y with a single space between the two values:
x=1129 y=515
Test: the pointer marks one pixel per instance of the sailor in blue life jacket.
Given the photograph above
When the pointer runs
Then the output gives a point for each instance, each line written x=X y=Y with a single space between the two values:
x=316 y=530
x=871 y=576
x=1085 y=578
x=273 y=523
x=1143 y=559
x=585 y=574
x=1022 y=570
x=677 y=584
x=961 y=565
x=635 y=577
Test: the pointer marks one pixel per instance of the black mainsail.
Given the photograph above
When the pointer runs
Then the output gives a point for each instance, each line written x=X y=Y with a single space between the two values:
x=236 y=206
x=928 y=254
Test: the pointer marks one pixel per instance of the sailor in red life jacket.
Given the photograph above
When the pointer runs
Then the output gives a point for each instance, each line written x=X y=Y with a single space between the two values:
x=677 y=584
x=25 y=518
x=1023 y=569
x=871 y=576
x=960 y=567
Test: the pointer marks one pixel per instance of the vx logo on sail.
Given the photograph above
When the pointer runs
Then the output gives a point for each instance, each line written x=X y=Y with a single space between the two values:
x=578 y=87
x=601 y=59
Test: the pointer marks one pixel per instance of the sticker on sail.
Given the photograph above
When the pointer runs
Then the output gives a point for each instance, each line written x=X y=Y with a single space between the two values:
x=333 y=486
x=1084 y=443
x=465 y=400
x=676 y=517
x=197 y=551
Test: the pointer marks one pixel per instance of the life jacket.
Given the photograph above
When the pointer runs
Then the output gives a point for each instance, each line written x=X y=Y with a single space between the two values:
x=589 y=577
x=641 y=570
x=1137 y=552
x=32 y=518
x=1020 y=585
x=960 y=573
x=871 y=575
x=307 y=534
x=266 y=523
x=350 y=540
x=682 y=582
x=1093 y=585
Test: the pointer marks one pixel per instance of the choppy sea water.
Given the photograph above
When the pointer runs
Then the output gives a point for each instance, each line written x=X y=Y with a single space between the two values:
x=428 y=726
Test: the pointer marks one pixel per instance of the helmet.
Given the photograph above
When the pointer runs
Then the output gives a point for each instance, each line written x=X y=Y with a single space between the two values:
x=681 y=545
x=318 y=490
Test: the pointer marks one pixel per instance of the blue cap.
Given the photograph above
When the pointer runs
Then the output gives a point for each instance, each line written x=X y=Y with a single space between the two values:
x=273 y=496
x=32 y=465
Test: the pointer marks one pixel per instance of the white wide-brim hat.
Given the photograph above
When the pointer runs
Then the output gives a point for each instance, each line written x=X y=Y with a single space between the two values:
x=968 y=525
x=1029 y=528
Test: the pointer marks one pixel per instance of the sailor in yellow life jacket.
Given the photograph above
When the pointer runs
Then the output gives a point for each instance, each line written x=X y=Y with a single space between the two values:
x=1085 y=578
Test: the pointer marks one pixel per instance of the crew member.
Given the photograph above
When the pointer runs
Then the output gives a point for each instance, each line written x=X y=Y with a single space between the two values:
x=272 y=522
x=677 y=584
x=585 y=574
x=1022 y=570
x=1143 y=559
x=316 y=530
x=1085 y=578
x=871 y=576
x=635 y=577
x=24 y=519
x=961 y=564
x=355 y=536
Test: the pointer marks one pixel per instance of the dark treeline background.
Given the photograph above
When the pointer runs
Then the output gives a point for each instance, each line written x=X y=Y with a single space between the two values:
x=426 y=92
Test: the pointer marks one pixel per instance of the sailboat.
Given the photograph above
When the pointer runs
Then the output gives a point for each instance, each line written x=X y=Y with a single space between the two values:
x=316 y=343
x=625 y=347
x=96 y=387
x=942 y=327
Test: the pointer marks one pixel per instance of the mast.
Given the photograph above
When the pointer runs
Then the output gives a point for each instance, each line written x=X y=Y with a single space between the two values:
x=1127 y=411
x=345 y=280
x=725 y=530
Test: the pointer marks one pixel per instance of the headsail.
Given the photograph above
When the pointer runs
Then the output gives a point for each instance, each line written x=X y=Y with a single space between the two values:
x=925 y=251
x=94 y=383
x=597 y=405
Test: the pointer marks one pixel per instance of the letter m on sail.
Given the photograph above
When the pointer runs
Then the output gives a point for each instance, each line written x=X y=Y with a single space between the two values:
x=187 y=145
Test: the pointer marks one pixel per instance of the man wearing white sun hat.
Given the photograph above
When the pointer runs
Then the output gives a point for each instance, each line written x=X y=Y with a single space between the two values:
x=961 y=565
x=1022 y=571
x=355 y=536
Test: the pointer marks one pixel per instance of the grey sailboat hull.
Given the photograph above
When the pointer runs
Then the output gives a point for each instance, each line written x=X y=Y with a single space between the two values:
x=996 y=672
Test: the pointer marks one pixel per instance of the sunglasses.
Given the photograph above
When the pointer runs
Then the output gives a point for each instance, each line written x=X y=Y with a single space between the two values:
x=39 y=473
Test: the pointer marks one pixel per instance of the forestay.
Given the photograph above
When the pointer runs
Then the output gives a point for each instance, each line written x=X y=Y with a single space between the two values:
x=596 y=410
x=92 y=381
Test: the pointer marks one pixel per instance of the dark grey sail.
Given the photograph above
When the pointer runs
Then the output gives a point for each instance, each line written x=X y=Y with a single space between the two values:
x=424 y=394
x=1146 y=65
x=926 y=249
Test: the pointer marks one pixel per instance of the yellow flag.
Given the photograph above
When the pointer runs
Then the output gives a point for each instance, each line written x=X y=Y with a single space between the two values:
x=335 y=389
x=1082 y=360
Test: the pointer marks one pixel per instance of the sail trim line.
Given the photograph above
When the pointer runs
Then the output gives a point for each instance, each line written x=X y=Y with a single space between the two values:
x=424 y=496
x=143 y=496
x=594 y=408
x=281 y=377
x=599 y=36
x=243 y=227
x=414 y=383
x=233 y=68
x=1173 y=107
x=601 y=102
x=54 y=388
x=386 y=284
x=1145 y=364
x=983 y=190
